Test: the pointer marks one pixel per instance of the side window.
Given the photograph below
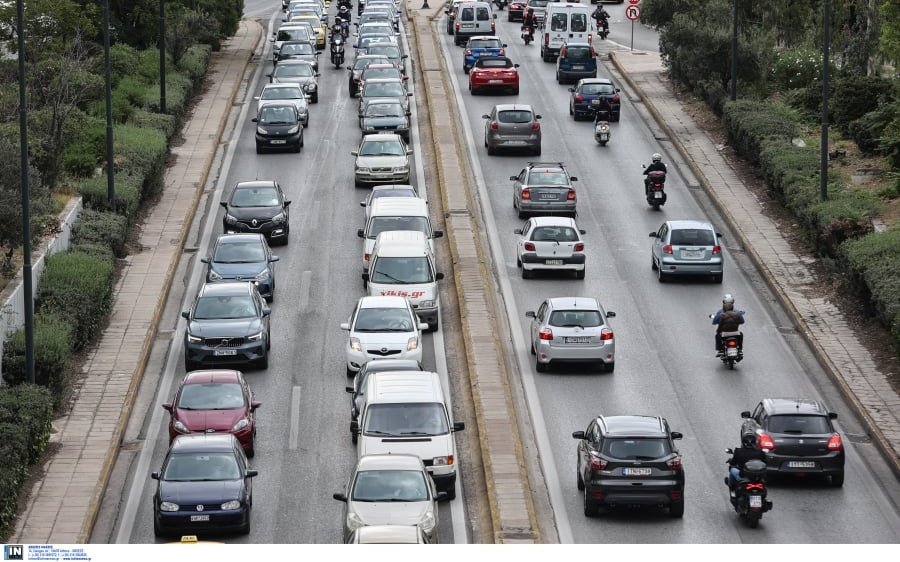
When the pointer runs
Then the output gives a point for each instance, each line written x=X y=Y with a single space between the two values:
x=662 y=233
x=559 y=22
x=758 y=412
x=579 y=22
x=481 y=14
x=542 y=312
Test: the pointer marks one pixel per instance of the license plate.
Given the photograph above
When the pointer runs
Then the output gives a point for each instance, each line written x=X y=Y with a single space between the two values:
x=550 y=196
x=657 y=194
x=636 y=471
x=199 y=518
x=756 y=501
x=495 y=81
x=694 y=254
x=553 y=262
x=595 y=102
x=801 y=464
x=578 y=339
x=468 y=25
x=221 y=352
x=732 y=352
x=278 y=141
x=515 y=143
x=577 y=67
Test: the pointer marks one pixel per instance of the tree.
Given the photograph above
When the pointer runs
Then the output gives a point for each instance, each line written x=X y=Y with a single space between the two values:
x=11 y=197
x=889 y=40
x=48 y=25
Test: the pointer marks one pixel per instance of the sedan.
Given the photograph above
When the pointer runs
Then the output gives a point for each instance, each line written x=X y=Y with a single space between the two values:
x=214 y=401
x=298 y=50
x=544 y=188
x=392 y=489
x=550 y=244
x=516 y=10
x=228 y=323
x=361 y=62
x=362 y=45
x=586 y=95
x=381 y=71
x=384 y=88
x=494 y=73
x=298 y=72
x=382 y=327
x=512 y=126
x=278 y=126
x=687 y=247
x=243 y=257
x=280 y=93
x=205 y=485
x=381 y=158
x=481 y=46
x=572 y=330
x=258 y=207
x=385 y=116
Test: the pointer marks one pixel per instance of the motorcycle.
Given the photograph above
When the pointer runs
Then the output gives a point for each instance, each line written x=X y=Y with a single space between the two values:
x=601 y=127
x=602 y=28
x=732 y=352
x=344 y=12
x=499 y=3
x=337 y=51
x=749 y=499
x=527 y=34
x=655 y=189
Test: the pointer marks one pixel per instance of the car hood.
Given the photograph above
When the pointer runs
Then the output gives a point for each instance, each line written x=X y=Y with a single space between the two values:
x=381 y=161
x=391 y=513
x=385 y=121
x=239 y=270
x=383 y=339
x=424 y=447
x=189 y=493
x=218 y=420
x=225 y=328
x=260 y=213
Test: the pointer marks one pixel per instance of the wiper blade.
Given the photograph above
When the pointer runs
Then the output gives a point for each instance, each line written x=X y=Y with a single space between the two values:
x=571 y=326
x=377 y=432
x=415 y=433
x=391 y=277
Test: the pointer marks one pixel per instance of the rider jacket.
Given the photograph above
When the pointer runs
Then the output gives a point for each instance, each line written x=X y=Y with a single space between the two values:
x=655 y=167
x=601 y=14
x=730 y=321
x=741 y=455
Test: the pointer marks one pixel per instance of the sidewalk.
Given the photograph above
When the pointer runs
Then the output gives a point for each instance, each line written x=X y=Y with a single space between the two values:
x=821 y=323
x=63 y=506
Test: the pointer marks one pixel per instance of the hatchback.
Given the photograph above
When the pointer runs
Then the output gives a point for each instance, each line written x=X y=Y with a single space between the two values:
x=381 y=158
x=512 y=126
x=576 y=60
x=687 y=247
x=388 y=534
x=572 y=330
x=385 y=116
x=298 y=50
x=278 y=127
x=382 y=327
x=544 y=188
x=586 y=94
x=550 y=244
x=243 y=257
x=297 y=72
x=386 y=88
x=381 y=71
x=482 y=46
x=494 y=73
x=390 y=52
x=258 y=207
x=361 y=62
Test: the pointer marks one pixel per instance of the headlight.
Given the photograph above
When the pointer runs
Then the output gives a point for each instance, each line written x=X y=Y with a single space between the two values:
x=168 y=506
x=279 y=218
x=427 y=522
x=255 y=337
x=293 y=129
x=355 y=345
x=362 y=170
x=213 y=276
x=229 y=219
x=354 y=522
x=369 y=128
x=241 y=424
x=180 y=427
x=426 y=304
x=262 y=130
x=194 y=339
x=442 y=461
x=400 y=169
x=412 y=344
x=310 y=87
x=232 y=505
x=264 y=274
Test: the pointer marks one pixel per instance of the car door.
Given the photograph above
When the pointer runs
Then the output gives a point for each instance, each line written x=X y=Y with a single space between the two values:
x=526 y=234
x=519 y=181
x=659 y=242
x=537 y=321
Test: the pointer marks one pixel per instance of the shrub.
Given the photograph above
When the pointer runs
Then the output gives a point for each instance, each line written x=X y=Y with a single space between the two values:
x=796 y=68
x=178 y=87
x=749 y=122
x=783 y=164
x=15 y=471
x=52 y=351
x=78 y=288
x=123 y=59
x=101 y=228
x=854 y=96
x=151 y=120
x=148 y=65
x=807 y=100
x=194 y=61
x=868 y=130
x=127 y=196
x=141 y=152
x=29 y=406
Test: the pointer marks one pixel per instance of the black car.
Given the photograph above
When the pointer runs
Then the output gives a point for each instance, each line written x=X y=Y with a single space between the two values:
x=386 y=116
x=797 y=436
x=204 y=486
x=375 y=366
x=227 y=324
x=258 y=207
x=299 y=50
x=629 y=460
x=243 y=257
x=278 y=127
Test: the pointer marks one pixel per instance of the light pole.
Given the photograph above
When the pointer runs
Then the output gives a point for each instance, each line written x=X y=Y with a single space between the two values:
x=110 y=165
x=734 y=48
x=27 y=288
x=162 y=56
x=823 y=167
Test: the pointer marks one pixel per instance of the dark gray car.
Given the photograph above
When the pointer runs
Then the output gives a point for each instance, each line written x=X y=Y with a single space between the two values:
x=243 y=257
x=512 y=126
x=384 y=88
x=385 y=116
x=544 y=188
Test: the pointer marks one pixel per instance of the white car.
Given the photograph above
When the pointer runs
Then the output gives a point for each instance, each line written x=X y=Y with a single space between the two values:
x=550 y=244
x=382 y=327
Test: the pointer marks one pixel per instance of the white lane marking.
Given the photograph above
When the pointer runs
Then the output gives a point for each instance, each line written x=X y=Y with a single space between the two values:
x=548 y=464
x=305 y=280
x=295 y=418
x=457 y=506
x=312 y=219
x=145 y=456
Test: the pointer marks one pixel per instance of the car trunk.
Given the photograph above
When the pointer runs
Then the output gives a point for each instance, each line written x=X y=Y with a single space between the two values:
x=548 y=193
x=550 y=250
x=576 y=336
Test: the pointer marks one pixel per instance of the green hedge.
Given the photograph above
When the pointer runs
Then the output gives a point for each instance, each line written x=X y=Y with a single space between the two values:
x=100 y=228
x=749 y=122
x=141 y=151
x=194 y=61
x=178 y=87
x=94 y=192
x=150 y=120
x=52 y=350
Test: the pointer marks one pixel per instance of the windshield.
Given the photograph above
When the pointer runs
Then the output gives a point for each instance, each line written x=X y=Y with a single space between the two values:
x=799 y=425
x=692 y=237
x=573 y=318
x=376 y=73
x=383 y=320
x=250 y=251
x=211 y=396
x=384 y=90
x=255 y=197
x=294 y=71
x=393 y=193
x=270 y=115
x=389 y=51
x=385 y=224
x=369 y=28
x=224 y=308
x=578 y=53
x=362 y=63
x=406 y=418
x=382 y=148
x=285 y=93
x=579 y=23
x=548 y=177
x=514 y=116
x=538 y=3
x=643 y=448
x=392 y=271
x=390 y=485
x=385 y=110
x=196 y=467
x=554 y=234
x=597 y=89
x=295 y=34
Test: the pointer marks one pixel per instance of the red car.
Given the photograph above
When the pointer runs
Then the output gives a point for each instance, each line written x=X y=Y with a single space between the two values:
x=213 y=401
x=494 y=73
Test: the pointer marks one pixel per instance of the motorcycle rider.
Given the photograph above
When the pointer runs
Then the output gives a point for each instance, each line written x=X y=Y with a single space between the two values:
x=655 y=166
x=728 y=320
x=529 y=23
x=602 y=110
x=601 y=16
x=746 y=452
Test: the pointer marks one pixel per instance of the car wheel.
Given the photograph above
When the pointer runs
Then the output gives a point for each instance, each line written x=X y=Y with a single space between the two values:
x=557 y=78
x=270 y=298
x=526 y=273
x=609 y=367
x=269 y=333
x=354 y=438
x=263 y=363
x=533 y=352
x=676 y=509
x=157 y=531
x=572 y=112
x=190 y=365
x=451 y=492
x=259 y=149
x=537 y=150
x=522 y=215
x=465 y=69
x=515 y=91
x=245 y=530
x=251 y=452
x=540 y=367
x=315 y=98
x=579 y=274
x=837 y=480
x=590 y=506
x=662 y=277
x=491 y=150
x=306 y=123
x=298 y=147
x=717 y=278
x=579 y=481
x=432 y=327
x=518 y=262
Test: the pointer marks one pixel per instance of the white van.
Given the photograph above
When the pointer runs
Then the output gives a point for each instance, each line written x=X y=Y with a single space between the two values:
x=396 y=213
x=402 y=265
x=406 y=413
x=565 y=22
x=473 y=18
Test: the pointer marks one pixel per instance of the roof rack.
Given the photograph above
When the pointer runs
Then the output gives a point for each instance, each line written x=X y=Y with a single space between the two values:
x=546 y=164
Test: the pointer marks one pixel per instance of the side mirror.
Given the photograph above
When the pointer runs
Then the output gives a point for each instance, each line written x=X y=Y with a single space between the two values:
x=266 y=311
x=254 y=404
x=205 y=259
x=154 y=475
x=339 y=496
x=223 y=204
x=250 y=473
x=350 y=68
x=530 y=314
x=538 y=117
x=268 y=75
x=730 y=451
x=485 y=116
x=345 y=326
x=275 y=258
x=409 y=95
x=610 y=314
x=423 y=326
x=745 y=414
x=185 y=313
x=287 y=203
x=513 y=178
x=578 y=434
x=408 y=151
x=354 y=426
x=516 y=65
x=437 y=234
x=505 y=45
x=719 y=234
x=441 y=496
x=617 y=90
x=495 y=16
x=365 y=277
x=167 y=406
x=349 y=389
x=676 y=435
x=438 y=276
x=517 y=231
x=361 y=233
x=571 y=89
x=354 y=152
x=832 y=415
x=573 y=178
x=654 y=235
x=256 y=98
x=582 y=231
x=459 y=426
x=362 y=203
x=254 y=120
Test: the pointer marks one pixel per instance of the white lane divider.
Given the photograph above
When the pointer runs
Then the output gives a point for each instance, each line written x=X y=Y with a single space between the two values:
x=295 y=417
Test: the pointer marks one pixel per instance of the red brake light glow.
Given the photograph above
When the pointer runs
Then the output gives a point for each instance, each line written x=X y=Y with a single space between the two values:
x=597 y=463
x=579 y=98
x=546 y=334
x=606 y=334
x=570 y=196
x=529 y=246
x=494 y=125
x=535 y=126
x=615 y=98
x=502 y=52
x=764 y=441
x=716 y=250
x=468 y=51
x=526 y=194
x=579 y=247
x=835 y=443
x=674 y=463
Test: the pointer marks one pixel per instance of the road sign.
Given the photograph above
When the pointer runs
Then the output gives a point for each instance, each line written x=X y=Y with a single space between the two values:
x=633 y=12
x=633 y=1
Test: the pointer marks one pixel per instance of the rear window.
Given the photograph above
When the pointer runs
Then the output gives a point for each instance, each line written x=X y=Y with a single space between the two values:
x=514 y=116
x=799 y=425
x=484 y=44
x=467 y=14
x=692 y=237
x=573 y=318
x=481 y=14
x=548 y=177
x=554 y=234
x=559 y=22
x=579 y=22
x=597 y=89
x=642 y=448
x=494 y=63
x=578 y=53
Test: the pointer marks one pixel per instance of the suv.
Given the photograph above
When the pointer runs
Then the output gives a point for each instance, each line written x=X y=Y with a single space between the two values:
x=258 y=206
x=797 y=437
x=482 y=46
x=544 y=188
x=629 y=460
x=512 y=126
x=576 y=60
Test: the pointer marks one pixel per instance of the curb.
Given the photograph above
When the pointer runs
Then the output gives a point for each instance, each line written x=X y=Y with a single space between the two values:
x=138 y=375
x=884 y=446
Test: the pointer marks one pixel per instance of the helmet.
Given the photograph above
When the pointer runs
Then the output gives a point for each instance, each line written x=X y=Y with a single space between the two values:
x=748 y=440
x=728 y=299
x=657 y=157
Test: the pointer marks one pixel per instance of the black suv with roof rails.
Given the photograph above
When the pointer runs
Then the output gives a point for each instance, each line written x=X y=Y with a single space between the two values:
x=629 y=461
x=797 y=436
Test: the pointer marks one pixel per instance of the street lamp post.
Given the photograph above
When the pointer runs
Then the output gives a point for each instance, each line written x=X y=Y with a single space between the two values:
x=823 y=167
x=734 y=48
x=162 y=56
x=27 y=285
x=110 y=164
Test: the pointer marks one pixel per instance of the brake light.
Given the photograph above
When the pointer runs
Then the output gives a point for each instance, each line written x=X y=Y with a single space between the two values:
x=755 y=486
x=593 y=52
x=526 y=194
x=674 y=463
x=493 y=26
x=547 y=39
x=835 y=443
x=764 y=441
x=468 y=51
x=732 y=343
x=597 y=463
x=579 y=98
x=606 y=334
x=457 y=26
x=546 y=334
x=535 y=126
x=366 y=257
x=570 y=196
x=716 y=250
x=502 y=52
x=494 y=126
x=615 y=98
x=667 y=249
x=579 y=247
x=529 y=247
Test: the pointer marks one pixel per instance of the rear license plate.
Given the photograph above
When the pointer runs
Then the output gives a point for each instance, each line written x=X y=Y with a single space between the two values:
x=657 y=194
x=801 y=464
x=756 y=501
x=553 y=262
x=278 y=141
x=495 y=81
x=636 y=471
x=468 y=25
x=595 y=102
x=578 y=339
x=199 y=518
x=692 y=254
x=221 y=352
x=577 y=67
x=732 y=352
x=550 y=196
x=515 y=142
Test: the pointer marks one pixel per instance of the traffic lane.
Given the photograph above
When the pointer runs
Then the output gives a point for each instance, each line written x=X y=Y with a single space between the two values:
x=621 y=29
x=679 y=373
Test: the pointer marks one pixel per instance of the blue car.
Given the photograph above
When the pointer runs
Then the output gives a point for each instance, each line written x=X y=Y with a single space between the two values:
x=576 y=60
x=482 y=46
x=243 y=257
x=586 y=94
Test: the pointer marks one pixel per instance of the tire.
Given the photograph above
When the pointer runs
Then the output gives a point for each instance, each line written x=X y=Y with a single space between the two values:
x=298 y=148
x=465 y=69
x=609 y=367
x=157 y=531
x=269 y=334
x=718 y=278
x=491 y=150
x=537 y=151
x=245 y=530
x=579 y=274
x=259 y=149
x=518 y=262
x=540 y=367
x=433 y=327
x=752 y=520
x=676 y=509
x=533 y=352
x=662 y=277
x=837 y=480
x=526 y=274
x=515 y=91
x=652 y=263
x=251 y=452
x=264 y=362
x=572 y=112
x=306 y=124
x=522 y=215
x=315 y=98
x=354 y=438
x=579 y=481
x=451 y=492
x=590 y=507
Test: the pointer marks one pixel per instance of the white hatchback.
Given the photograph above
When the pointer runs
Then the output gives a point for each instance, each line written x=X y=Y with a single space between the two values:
x=382 y=327
x=550 y=243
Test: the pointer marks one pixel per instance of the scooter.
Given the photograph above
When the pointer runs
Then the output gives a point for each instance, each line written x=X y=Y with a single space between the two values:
x=602 y=28
x=337 y=51
x=601 y=127
x=527 y=34
x=655 y=188
x=731 y=352
x=749 y=500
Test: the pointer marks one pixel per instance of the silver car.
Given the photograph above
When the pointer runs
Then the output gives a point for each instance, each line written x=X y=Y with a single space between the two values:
x=550 y=244
x=281 y=93
x=572 y=330
x=512 y=126
x=687 y=247
x=544 y=188
x=297 y=72
x=388 y=88
x=390 y=489
x=381 y=159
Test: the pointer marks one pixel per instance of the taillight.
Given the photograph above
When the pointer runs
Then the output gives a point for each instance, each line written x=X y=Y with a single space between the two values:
x=546 y=334
x=667 y=249
x=674 y=463
x=468 y=51
x=732 y=343
x=597 y=463
x=765 y=442
x=570 y=196
x=755 y=486
x=494 y=125
x=547 y=39
x=606 y=334
x=590 y=39
x=502 y=52
x=579 y=247
x=493 y=26
x=716 y=250
x=615 y=98
x=535 y=126
x=579 y=98
x=529 y=246
x=835 y=443
x=526 y=194
x=366 y=257
x=457 y=26
x=593 y=52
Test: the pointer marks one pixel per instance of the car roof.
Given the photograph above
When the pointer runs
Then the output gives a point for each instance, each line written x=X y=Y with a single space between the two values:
x=400 y=206
x=554 y=221
x=388 y=187
x=383 y=302
x=227 y=289
x=255 y=183
x=203 y=442
x=513 y=107
x=682 y=224
x=481 y=37
x=237 y=238
x=294 y=62
x=633 y=426
x=388 y=534
x=402 y=244
x=382 y=66
x=492 y=57
x=212 y=376
x=384 y=80
x=807 y=406
x=381 y=136
x=574 y=303
x=282 y=85
x=404 y=387
x=389 y=462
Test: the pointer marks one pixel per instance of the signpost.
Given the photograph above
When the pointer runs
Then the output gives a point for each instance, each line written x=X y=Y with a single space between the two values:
x=632 y=12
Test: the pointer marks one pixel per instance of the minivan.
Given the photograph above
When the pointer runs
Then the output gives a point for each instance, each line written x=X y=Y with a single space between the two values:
x=565 y=22
x=396 y=213
x=576 y=61
x=473 y=18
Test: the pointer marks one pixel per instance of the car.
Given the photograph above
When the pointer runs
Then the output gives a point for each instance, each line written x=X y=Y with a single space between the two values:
x=293 y=71
x=243 y=257
x=540 y=9
x=362 y=45
x=629 y=460
x=381 y=327
x=798 y=437
x=291 y=32
x=482 y=46
x=388 y=534
x=687 y=248
x=361 y=62
x=544 y=188
x=587 y=93
x=387 y=190
x=204 y=486
x=516 y=10
x=298 y=50
x=575 y=61
x=381 y=158
x=494 y=73
x=376 y=16
x=214 y=401
x=390 y=52
x=278 y=127
x=319 y=27
x=550 y=244
x=473 y=18
x=258 y=206
x=383 y=88
x=384 y=71
x=376 y=366
x=392 y=489
x=281 y=93
x=572 y=330
x=228 y=323
x=512 y=126
x=451 y=15
x=385 y=116
x=376 y=27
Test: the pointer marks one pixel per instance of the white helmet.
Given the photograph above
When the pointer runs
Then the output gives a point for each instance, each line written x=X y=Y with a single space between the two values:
x=728 y=299
x=657 y=157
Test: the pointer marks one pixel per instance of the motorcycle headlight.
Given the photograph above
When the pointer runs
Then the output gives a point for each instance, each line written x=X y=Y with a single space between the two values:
x=279 y=218
x=194 y=339
x=293 y=129
x=214 y=276
x=355 y=345
x=427 y=522
x=241 y=424
x=255 y=337
x=262 y=130
x=230 y=219
x=426 y=304
x=231 y=506
x=180 y=427
x=168 y=506
x=412 y=344
x=354 y=521
x=262 y=275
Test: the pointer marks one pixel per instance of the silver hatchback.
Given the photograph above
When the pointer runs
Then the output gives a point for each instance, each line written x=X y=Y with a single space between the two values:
x=687 y=247
x=572 y=330
x=512 y=126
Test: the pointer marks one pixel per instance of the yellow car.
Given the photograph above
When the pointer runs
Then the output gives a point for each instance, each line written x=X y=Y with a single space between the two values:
x=318 y=26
